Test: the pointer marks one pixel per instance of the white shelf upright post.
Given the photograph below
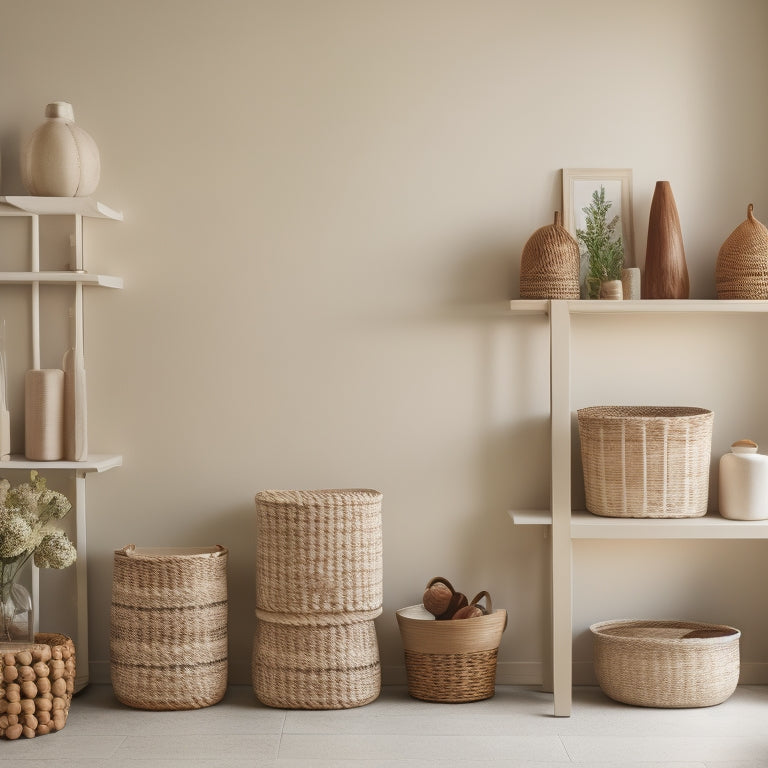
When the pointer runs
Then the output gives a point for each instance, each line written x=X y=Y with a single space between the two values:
x=560 y=499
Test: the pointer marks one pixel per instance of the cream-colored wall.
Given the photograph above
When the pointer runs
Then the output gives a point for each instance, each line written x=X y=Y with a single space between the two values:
x=325 y=204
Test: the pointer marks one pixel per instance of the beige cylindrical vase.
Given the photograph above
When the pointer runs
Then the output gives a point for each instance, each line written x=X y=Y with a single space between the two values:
x=44 y=414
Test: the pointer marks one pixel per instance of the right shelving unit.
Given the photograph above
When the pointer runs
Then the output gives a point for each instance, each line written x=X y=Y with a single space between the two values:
x=567 y=524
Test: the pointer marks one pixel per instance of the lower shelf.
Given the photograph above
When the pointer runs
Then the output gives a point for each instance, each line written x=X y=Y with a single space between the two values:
x=585 y=525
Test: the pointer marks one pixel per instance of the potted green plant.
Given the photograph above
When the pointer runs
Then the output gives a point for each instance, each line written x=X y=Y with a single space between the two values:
x=603 y=250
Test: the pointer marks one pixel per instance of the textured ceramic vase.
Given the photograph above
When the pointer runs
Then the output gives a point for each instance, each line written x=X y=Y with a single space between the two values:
x=60 y=159
x=666 y=273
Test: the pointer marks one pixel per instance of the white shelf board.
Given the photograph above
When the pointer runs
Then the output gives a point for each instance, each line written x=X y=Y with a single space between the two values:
x=585 y=525
x=596 y=307
x=84 y=278
x=59 y=206
x=531 y=516
x=96 y=462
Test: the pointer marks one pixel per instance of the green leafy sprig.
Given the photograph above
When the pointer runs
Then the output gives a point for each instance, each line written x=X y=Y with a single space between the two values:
x=602 y=247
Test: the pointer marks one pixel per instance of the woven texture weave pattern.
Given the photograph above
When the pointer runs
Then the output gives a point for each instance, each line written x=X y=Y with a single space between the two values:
x=666 y=663
x=168 y=629
x=318 y=552
x=646 y=461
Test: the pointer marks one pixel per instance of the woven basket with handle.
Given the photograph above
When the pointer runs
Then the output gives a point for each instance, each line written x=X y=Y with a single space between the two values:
x=451 y=661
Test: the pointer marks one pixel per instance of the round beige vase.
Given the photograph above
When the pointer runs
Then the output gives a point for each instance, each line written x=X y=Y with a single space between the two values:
x=60 y=159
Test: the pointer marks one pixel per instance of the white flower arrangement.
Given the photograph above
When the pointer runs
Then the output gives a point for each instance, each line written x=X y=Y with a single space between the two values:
x=26 y=512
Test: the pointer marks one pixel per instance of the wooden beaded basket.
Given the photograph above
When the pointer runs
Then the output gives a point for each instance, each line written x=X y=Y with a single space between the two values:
x=666 y=663
x=646 y=461
x=36 y=685
x=168 y=629
x=451 y=661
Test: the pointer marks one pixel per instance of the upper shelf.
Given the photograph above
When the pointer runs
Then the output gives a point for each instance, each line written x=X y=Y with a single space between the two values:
x=57 y=206
x=84 y=278
x=585 y=307
x=94 y=463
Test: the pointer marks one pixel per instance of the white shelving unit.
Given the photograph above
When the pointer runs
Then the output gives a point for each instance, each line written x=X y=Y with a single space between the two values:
x=568 y=525
x=77 y=277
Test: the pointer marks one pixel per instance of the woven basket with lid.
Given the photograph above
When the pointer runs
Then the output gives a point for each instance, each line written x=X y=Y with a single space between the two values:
x=549 y=266
x=742 y=263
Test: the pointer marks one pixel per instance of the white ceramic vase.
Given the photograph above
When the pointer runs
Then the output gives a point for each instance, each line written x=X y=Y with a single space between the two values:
x=743 y=493
x=60 y=159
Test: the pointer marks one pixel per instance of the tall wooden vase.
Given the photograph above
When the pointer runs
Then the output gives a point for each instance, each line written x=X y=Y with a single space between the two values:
x=666 y=273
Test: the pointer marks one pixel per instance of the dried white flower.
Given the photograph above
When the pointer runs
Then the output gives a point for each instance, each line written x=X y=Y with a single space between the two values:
x=55 y=551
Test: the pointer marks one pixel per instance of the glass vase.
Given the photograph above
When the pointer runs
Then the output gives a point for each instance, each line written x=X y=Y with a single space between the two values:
x=16 y=616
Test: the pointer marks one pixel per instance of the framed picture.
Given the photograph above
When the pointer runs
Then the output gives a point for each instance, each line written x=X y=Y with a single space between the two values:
x=578 y=186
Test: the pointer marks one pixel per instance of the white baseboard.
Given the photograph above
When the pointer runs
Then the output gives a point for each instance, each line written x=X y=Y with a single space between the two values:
x=507 y=673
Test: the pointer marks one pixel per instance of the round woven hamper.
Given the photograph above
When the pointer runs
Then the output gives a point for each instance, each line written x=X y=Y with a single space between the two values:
x=742 y=262
x=299 y=666
x=450 y=661
x=669 y=664
x=646 y=461
x=36 y=685
x=318 y=552
x=168 y=630
x=549 y=265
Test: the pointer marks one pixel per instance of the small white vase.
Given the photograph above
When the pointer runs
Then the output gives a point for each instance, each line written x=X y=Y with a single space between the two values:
x=60 y=159
x=743 y=478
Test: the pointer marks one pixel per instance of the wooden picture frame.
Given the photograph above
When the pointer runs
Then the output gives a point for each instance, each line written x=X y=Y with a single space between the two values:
x=578 y=186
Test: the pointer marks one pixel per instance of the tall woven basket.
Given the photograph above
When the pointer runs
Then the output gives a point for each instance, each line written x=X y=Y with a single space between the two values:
x=450 y=661
x=319 y=552
x=646 y=461
x=549 y=265
x=318 y=590
x=168 y=631
x=666 y=663
x=304 y=666
x=742 y=262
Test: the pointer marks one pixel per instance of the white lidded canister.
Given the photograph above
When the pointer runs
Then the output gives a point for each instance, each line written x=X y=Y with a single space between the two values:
x=744 y=483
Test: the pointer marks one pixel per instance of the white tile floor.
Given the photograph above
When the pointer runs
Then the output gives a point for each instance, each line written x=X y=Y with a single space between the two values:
x=515 y=729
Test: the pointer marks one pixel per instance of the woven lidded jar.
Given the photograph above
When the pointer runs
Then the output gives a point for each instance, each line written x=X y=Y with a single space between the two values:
x=742 y=263
x=549 y=266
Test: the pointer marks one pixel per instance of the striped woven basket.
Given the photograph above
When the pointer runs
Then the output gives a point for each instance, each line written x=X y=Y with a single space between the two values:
x=646 y=461
x=666 y=663
x=168 y=631
x=319 y=552
x=334 y=666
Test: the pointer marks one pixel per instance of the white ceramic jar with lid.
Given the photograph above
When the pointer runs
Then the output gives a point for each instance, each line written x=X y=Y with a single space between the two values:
x=744 y=483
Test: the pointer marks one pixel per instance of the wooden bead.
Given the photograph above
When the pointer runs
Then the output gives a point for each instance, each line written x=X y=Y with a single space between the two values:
x=29 y=689
x=24 y=658
x=41 y=669
x=13 y=731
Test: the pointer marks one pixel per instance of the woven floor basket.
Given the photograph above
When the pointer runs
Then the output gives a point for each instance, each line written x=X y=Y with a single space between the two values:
x=319 y=552
x=646 y=461
x=36 y=685
x=549 y=265
x=666 y=663
x=742 y=262
x=168 y=631
x=316 y=667
x=450 y=661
